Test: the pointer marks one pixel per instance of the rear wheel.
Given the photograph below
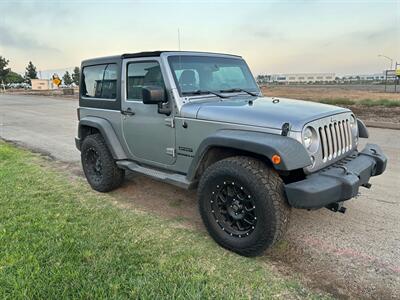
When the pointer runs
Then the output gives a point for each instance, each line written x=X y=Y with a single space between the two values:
x=242 y=204
x=99 y=166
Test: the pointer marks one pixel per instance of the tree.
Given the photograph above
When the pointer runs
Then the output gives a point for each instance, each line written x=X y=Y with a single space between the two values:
x=3 y=70
x=76 y=75
x=67 y=78
x=30 y=72
x=13 y=77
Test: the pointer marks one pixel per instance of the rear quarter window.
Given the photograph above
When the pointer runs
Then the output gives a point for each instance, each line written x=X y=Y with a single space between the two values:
x=99 y=81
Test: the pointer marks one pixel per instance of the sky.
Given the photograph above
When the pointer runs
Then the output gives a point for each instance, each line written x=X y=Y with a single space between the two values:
x=294 y=36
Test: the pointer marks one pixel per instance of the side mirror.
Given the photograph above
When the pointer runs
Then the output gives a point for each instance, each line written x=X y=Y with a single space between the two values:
x=153 y=94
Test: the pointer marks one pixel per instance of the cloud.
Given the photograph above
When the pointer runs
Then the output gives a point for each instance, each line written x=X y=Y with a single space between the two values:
x=376 y=35
x=370 y=38
x=34 y=13
x=264 y=33
x=12 y=38
x=261 y=32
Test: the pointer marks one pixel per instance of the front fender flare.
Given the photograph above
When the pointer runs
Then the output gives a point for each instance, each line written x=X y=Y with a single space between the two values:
x=293 y=154
x=107 y=132
x=362 y=129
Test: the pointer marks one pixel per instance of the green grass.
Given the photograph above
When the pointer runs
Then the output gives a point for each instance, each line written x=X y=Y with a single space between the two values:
x=364 y=102
x=338 y=101
x=59 y=239
x=380 y=102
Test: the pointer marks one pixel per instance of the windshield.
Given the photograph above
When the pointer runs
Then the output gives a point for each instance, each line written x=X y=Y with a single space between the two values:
x=196 y=75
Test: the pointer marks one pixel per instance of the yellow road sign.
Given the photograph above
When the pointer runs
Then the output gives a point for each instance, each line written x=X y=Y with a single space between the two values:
x=398 y=72
x=56 y=81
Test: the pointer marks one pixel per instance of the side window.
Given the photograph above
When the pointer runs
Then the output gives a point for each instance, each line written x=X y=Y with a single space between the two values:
x=109 y=86
x=142 y=74
x=100 y=81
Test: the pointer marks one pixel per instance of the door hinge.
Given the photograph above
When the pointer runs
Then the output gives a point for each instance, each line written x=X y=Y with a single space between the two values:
x=170 y=122
x=171 y=151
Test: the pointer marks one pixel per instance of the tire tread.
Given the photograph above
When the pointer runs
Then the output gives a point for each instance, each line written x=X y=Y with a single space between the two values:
x=268 y=180
x=115 y=176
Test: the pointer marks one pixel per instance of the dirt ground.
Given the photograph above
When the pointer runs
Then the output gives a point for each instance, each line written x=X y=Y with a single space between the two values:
x=318 y=92
x=351 y=256
x=376 y=113
x=351 y=92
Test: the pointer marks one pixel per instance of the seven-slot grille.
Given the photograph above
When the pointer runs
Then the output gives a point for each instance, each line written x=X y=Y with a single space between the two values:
x=335 y=139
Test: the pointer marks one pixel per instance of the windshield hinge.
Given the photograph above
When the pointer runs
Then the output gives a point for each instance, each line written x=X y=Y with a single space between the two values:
x=171 y=151
x=170 y=122
x=285 y=129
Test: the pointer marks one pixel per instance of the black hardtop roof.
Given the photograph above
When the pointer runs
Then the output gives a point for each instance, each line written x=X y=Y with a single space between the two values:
x=114 y=58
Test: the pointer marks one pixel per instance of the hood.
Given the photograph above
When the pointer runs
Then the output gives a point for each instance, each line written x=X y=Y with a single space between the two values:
x=262 y=111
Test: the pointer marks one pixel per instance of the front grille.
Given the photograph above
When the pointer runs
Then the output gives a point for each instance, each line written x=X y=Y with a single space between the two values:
x=335 y=139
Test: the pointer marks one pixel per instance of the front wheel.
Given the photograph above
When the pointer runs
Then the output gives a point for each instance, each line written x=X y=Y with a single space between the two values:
x=243 y=205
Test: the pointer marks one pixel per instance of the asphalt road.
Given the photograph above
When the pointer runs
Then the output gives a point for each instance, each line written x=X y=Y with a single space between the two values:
x=355 y=254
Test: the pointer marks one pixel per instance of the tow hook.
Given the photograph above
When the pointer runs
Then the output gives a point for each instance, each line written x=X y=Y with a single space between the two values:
x=336 y=207
x=367 y=185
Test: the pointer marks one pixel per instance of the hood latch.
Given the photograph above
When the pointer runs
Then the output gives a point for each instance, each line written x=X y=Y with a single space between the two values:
x=285 y=129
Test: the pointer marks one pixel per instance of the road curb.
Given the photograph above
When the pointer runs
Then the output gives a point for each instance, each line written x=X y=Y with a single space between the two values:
x=387 y=125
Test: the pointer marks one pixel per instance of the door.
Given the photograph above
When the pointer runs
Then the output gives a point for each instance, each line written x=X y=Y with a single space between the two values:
x=149 y=135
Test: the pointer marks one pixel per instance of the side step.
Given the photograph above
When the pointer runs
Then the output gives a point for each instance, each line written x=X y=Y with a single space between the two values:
x=172 y=178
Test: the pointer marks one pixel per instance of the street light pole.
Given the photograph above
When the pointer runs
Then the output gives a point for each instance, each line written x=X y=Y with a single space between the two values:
x=387 y=57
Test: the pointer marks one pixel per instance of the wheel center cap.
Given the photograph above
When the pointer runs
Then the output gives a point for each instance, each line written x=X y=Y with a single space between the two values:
x=235 y=210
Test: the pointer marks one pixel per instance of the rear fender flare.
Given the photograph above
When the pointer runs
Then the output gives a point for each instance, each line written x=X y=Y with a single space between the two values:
x=108 y=133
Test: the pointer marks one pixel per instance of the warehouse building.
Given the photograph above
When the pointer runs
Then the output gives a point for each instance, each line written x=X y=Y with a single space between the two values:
x=320 y=78
x=364 y=77
x=43 y=84
x=303 y=78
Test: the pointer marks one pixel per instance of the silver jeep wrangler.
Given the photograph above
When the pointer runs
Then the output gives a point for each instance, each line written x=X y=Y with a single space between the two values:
x=198 y=119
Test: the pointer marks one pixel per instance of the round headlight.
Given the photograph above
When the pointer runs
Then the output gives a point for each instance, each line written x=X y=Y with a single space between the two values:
x=307 y=137
x=310 y=139
x=353 y=121
x=354 y=128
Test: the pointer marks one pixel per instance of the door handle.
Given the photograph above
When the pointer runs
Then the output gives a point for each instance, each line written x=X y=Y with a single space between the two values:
x=128 y=112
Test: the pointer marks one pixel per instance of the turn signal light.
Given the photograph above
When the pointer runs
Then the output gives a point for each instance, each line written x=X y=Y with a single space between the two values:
x=276 y=159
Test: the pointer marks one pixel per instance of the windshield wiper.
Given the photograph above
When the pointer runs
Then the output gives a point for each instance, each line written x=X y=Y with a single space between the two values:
x=202 y=92
x=237 y=91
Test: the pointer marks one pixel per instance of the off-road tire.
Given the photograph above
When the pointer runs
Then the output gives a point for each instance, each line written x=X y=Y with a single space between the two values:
x=108 y=176
x=271 y=210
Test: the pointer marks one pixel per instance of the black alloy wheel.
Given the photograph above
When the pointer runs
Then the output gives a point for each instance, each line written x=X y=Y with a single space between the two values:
x=94 y=165
x=99 y=166
x=234 y=209
x=243 y=205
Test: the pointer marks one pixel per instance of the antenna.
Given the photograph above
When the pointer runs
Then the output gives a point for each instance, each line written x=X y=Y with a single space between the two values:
x=179 y=39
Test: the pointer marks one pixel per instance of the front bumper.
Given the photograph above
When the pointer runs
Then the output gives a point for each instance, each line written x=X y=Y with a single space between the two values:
x=338 y=182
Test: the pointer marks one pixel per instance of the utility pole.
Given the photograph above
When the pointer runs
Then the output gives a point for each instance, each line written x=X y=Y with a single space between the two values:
x=179 y=39
x=387 y=57
x=397 y=77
